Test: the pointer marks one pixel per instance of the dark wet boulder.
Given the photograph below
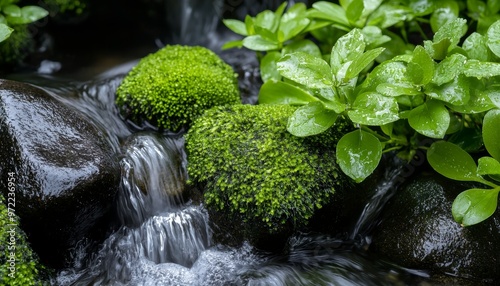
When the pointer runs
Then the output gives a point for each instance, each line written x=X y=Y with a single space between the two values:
x=64 y=172
x=418 y=231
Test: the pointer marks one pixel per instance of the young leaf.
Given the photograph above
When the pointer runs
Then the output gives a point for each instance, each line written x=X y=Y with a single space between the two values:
x=236 y=26
x=330 y=99
x=268 y=67
x=29 y=14
x=421 y=67
x=474 y=206
x=358 y=154
x=493 y=38
x=258 y=43
x=5 y=32
x=488 y=166
x=279 y=92
x=449 y=68
x=347 y=48
x=491 y=136
x=479 y=102
x=354 y=10
x=394 y=90
x=430 y=119
x=452 y=161
x=305 y=46
x=452 y=30
x=360 y=63
x=293 y=28
x=232 y=44
x=371 y=108
x=329 y=11
x=305 y=69
x=388 y=72
x=311 y=119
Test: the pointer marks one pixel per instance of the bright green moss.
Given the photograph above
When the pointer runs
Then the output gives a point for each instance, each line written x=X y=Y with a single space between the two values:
x=14 y=247
x=173 y=86
x=15 y=49
x=248 y=163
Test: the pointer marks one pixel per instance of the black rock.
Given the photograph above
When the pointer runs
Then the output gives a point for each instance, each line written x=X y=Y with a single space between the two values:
x=65 y=172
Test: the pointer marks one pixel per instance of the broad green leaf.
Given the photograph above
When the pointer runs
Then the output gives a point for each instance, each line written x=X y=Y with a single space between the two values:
x=268 y=67
x=474 y=206
x=361 y=62
x=493 y=38
x=388 y=72
x=347 y=48
x=475 y=68
x=479 y=102
x=29 y=14
x=354 y=10
x=421 y=67
x=488 y=166
x=422 y=7
x=258 y=43
x=293 y=28
x=279 y=92
x=449 y=68
x=249 y=24
x=267 y=20
x=358 y=154
x=438 y=50
x=232 y=44
x=389 y=14
x=236 y=26
x=476 y=47
x=452 y=161
x=394 y=90
x=452 y=30
x=267 y=34
x=330 y=99
x=455 y=92
x=311 y=119
x=493 y=93
x=306 y=46
x=305 y=69
x=373 y=36
x=298 y=10
x=5 y=32
x=329 y=11
x=372 y=108
x=12 y=11
x=491 y=136
x=430 y=119
x=493 y=6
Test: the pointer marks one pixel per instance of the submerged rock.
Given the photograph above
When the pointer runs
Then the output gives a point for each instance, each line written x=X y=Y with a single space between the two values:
x=64 y=170
x=418 y=231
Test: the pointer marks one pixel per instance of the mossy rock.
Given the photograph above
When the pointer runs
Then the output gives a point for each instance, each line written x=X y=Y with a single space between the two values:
x=252 y=170
x=173 y=86
x=19 y=265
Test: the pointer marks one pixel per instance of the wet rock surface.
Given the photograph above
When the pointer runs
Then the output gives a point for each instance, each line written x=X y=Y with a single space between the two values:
x=65 y=172
x=418 y=231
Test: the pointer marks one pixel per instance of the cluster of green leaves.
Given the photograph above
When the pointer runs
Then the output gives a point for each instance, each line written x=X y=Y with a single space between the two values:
x=249 y=164
x=11 y=15
x=174 y=85
x=439 y=89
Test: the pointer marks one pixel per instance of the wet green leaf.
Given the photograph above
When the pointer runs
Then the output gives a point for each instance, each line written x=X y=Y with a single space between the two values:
x=452 y=161
x=358 y=154
x=456 y=92
x=279 y=92
x=449 y=69
x=453 y=30
x=476 y=47
x=29 y=14
x=475 y=68
x=361 y=62
x=395 y=90
x=386 y=73
x=305 y=69
x=258 y=43
x=491 y=136
x=236 y=26
x=311 y=119
x=430 y=119
x=372 y=108
x=305 y=46
x=488 y=166
x=421 y=67
x=493 y=38
x=354 y=10
x=329 y=11
x=268 y=67
x=479 y=101
x=474 y=206
x=347 y=48
x=5 y=32
x=293 y=28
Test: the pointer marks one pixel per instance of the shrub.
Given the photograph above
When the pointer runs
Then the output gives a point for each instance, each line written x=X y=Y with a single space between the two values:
x=247 y=163
x=173 y=86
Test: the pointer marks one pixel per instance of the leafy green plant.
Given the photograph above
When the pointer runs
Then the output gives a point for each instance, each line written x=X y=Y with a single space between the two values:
x=439 y=90
x=12 y=15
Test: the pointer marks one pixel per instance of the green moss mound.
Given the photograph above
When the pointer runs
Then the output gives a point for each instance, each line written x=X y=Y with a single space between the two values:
x=248 y=163
x=15 y=248
x=19 y=45
x=173 y=86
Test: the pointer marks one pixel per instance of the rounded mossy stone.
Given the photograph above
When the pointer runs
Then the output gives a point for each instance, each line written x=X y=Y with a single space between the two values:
x=17 y=47
x=19 y=265
x=247 y=163
x=173 y=86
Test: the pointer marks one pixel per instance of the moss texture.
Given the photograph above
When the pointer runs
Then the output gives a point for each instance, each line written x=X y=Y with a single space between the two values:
x=19 y=45
x=14 y=247
x=248 y=163
x=173 y=86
